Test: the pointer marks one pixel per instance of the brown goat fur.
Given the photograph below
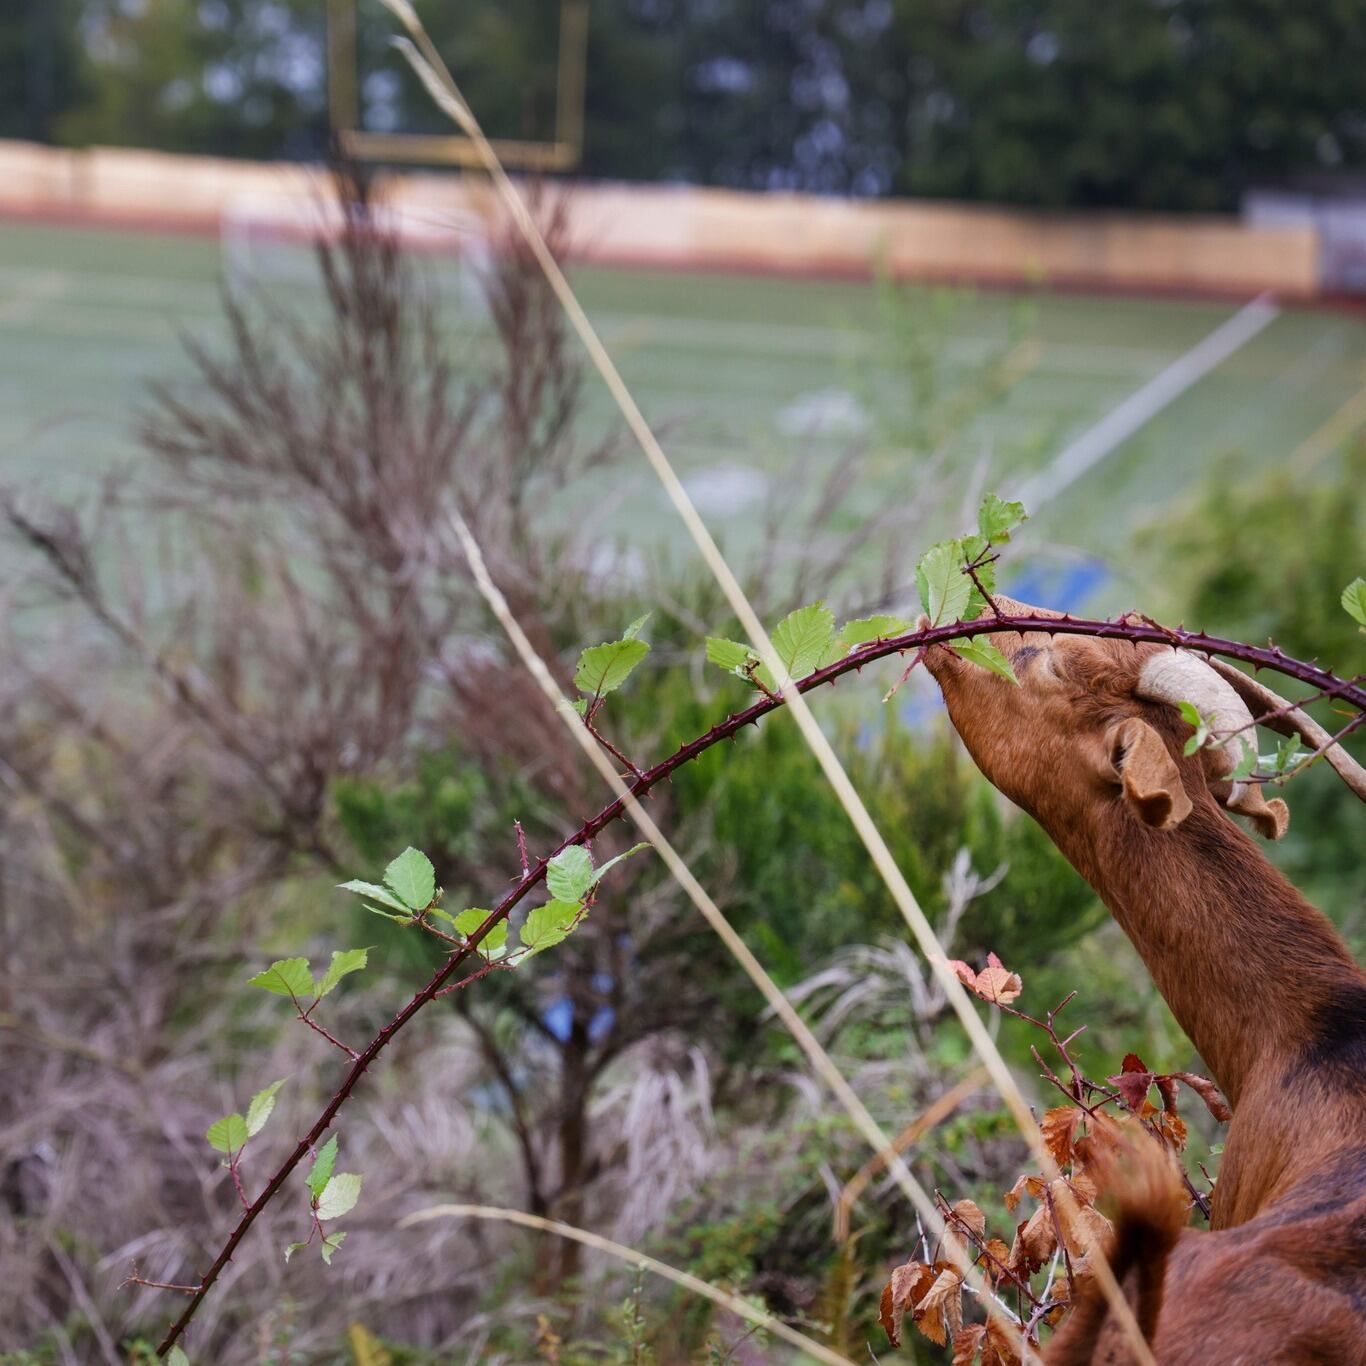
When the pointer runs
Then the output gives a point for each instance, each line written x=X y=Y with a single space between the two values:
x=1256 y=976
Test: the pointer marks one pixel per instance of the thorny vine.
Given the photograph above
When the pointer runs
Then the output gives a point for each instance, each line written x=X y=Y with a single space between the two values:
x=1131 y=627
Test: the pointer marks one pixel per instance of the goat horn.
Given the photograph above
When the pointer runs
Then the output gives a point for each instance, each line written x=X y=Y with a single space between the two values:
x=1173 y=676
x=1292 y=721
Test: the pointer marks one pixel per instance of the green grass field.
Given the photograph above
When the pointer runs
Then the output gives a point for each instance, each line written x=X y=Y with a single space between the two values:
x=731 y=369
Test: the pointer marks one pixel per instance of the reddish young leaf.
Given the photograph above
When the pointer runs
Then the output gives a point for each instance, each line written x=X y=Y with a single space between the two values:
x=1208 y=1092
x=1132 y=1084
x=1167 y=1088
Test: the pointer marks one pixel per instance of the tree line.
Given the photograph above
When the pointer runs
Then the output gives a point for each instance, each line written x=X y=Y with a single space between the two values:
x=1150 y=104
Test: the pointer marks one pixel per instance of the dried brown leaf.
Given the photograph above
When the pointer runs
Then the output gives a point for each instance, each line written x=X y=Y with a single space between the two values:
x=1024 y=1185
x=900 y=1295
x=968 y=1343
x=1059 y=1127
x=1035 y=1242
x=971 y=1216
x=1172 y=1129
x=1001 y=1348
x=997 y=985
x=1083 y=1226
x=939 y=1315
x=995 y=1258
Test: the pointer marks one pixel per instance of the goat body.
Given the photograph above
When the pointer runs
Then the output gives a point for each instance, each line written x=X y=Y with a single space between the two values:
x=1256 y=976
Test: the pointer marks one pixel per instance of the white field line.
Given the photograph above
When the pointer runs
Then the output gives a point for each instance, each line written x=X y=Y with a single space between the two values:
x=1121 y=422
x=427 y=64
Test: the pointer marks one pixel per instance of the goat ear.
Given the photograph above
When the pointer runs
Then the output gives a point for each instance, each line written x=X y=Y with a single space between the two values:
x=1147 y=773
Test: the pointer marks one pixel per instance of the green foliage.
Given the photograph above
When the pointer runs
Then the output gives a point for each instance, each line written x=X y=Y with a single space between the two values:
x=548 y=925
x=320 y=1173
x=996 y=519
x=339 y=1196
x=803 y=639
x=979 y=650
x=228 y=1135
x=864 y=630
x=569 y=874
x=176 y=1357
x=261 y=1108
x=293 y=977
x=290 y=977
x=343 y=961
x=412 y=878
x=1354 y=601
x=602 y=669
x=943 y=587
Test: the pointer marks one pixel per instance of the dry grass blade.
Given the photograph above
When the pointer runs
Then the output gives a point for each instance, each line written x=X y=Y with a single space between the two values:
x=741 y=1308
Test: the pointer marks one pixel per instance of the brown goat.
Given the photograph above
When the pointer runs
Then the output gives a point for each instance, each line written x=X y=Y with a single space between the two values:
x=1257 y=977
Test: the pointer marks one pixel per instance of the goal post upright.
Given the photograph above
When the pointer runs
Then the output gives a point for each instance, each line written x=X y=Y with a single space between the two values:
x=563 y=153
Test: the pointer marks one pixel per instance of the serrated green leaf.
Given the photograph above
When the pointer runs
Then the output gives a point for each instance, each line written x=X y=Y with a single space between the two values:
x=569 y=875
x=1190 y=714
x=1354 y=601
x=229 y=1134
x=339 y=1195
x=412 y=878
x=866 y=629
x=944 y=588
x=320 y=1173
x=996 y=519
x=579 y=706
x=293 y=1248
x=494 y=943
x=802 y=637
x=330 y=1244
x=547 y=925
x=977 y=650
x=176 y=1357
x=405 y=919
x=286 y=977
x=373 y=890
x=635 y=628
x=611 y=863
x=1286 y=751
x=973 y=548
x=1245 y=767
x=343 y=962
x=262 y=1103
x=730 y=655
x=604 y=668
x=1196 y=741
